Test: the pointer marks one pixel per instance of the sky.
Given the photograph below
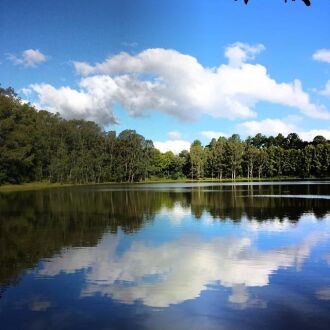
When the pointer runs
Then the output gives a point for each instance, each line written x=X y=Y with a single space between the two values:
x=174 y=71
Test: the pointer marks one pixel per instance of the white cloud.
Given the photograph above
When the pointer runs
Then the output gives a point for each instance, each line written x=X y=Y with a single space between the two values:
x=83 y=68
x=326 y=90
x=275 y=126
x=174 y=135
x=239 y=53
x=176 y=146
x=322 y=55
x=28 y=58
x=179 y=270
x=93 y=101
x=310 y=135
x=267 y=127
x=212 y=134
x=177 y=84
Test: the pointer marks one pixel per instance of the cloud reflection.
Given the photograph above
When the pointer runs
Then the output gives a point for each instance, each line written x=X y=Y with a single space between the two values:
x=323 y=294
x=39 y=304
x=176 y=213
x=176 y=271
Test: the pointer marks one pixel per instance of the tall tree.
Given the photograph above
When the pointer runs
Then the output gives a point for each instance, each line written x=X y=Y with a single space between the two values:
x=234 y=154
x=197 y=158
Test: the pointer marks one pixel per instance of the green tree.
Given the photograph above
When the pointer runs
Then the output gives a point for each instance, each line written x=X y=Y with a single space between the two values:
x=234 y=155
x=197 y=158
x=38 y=145
x=250 y=159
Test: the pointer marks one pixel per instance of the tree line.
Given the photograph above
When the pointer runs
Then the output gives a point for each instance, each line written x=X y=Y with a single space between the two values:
x=38 y=145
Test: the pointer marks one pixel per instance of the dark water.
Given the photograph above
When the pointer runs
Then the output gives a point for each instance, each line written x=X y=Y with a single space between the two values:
x=177 y=256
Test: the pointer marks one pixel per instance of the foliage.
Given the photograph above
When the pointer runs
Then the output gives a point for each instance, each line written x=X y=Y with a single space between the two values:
x=37 y=145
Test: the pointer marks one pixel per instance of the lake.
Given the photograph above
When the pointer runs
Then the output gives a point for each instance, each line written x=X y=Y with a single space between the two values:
x=167 y=256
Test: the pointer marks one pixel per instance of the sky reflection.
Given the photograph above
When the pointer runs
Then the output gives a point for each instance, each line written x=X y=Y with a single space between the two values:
x=160 y=274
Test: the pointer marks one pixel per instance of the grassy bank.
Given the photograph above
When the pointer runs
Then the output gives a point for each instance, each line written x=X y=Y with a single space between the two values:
x=31 y=186
x=48 y=185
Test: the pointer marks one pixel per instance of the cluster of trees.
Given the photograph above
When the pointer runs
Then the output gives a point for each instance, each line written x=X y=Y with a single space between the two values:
x=261 y=156
x=38 y=145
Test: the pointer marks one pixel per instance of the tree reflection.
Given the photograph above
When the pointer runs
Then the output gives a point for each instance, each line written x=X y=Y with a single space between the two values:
x=36 y=225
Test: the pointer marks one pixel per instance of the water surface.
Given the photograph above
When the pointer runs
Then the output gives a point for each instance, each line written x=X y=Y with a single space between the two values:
x=166 y=256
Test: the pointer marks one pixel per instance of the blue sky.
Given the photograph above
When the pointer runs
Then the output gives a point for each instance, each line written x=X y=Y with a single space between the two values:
x=173 y=70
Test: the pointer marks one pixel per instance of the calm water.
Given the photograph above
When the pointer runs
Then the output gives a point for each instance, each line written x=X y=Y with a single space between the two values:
x=166 y=256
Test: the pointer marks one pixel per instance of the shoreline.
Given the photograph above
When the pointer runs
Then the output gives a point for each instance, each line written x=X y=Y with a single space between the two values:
x=47 y=185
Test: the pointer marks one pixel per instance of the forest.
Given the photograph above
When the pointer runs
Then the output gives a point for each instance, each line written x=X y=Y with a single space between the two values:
x=42 y=146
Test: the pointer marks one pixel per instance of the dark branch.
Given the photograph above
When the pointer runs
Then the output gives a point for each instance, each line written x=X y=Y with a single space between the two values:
x=306 y=2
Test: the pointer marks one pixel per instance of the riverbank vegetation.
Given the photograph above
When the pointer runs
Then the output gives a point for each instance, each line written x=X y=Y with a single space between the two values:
x=41 y=146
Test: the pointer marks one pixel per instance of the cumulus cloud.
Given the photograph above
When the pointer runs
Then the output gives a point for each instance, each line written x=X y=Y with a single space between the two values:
x=178 y=270
x=212 y=134
x=168 y=81
x=93 y=101
x=239 y=53
x=267 y=127
x=275 y=126
x=322 y=55
x=28 y=58
x=310 y=135
x=176 y=146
